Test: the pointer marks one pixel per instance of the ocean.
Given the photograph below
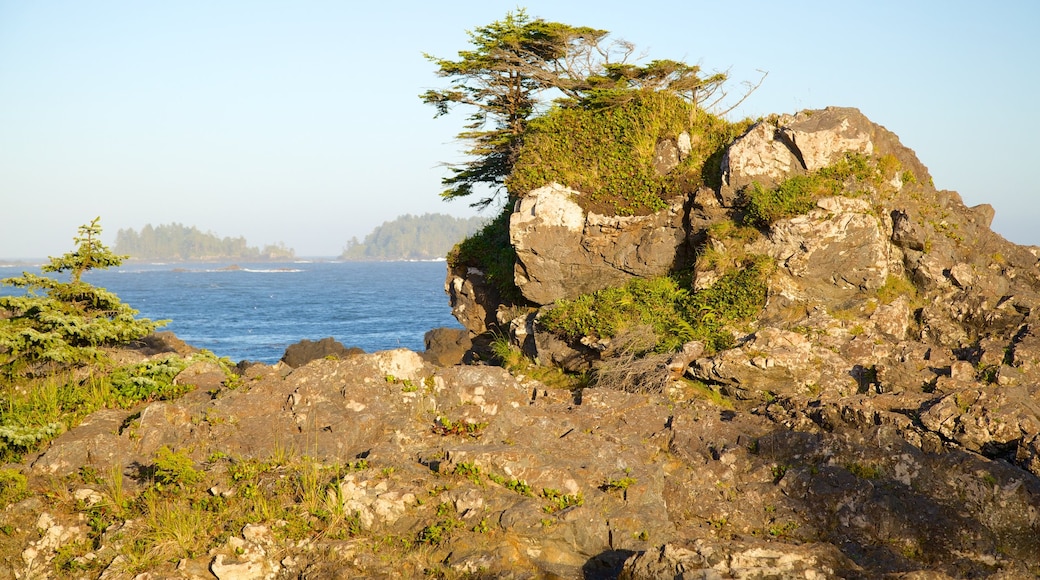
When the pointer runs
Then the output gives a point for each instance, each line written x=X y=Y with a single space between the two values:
x=247 y=311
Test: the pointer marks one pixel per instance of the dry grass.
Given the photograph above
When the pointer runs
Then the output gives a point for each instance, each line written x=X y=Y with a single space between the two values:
x=626 y=366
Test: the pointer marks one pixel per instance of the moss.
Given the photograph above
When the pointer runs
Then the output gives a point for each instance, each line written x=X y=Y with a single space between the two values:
x=607 y=153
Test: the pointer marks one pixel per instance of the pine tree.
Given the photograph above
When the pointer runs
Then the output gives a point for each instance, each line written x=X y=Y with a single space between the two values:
x=57 y=325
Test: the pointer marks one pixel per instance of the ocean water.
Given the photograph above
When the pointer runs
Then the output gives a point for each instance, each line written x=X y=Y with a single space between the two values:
x=254 y=311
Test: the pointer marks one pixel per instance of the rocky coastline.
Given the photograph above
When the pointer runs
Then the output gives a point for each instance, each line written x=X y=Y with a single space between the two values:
x=880 y=417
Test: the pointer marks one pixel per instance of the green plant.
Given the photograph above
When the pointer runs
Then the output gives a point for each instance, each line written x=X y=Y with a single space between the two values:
x=619 y=484
x=894 y=287
x=150 y=380
x=798 y=194
x=513 y=360
x=516 y=485
x=13 y=486
x=468 y=470
x=445 y=426
x=491 y=252
x=675 y=315
x=69 y=324
x=174 y=469
x=559 y=501
x=607 y=153
x=864 y=471
x=782 y=530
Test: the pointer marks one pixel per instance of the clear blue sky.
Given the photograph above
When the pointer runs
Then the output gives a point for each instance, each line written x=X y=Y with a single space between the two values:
x=299 y=121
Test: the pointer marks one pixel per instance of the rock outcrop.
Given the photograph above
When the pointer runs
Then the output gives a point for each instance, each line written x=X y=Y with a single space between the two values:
x=879 y=418
x=543 y=484
x=563 y=251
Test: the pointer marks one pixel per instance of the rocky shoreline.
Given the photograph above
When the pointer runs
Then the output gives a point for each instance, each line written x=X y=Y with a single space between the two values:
x=880 y=418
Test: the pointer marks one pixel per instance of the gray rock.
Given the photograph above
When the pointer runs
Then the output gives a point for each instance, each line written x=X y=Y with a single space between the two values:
x=446 y=346
x=303 y=352
x=563 y=252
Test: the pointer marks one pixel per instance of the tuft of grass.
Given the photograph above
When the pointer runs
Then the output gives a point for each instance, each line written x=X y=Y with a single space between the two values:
x=894 y=287
x=13 y=486
x=513 y=360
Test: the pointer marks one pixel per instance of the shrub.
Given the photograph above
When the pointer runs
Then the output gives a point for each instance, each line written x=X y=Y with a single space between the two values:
x=151 y=380
x=675 y=315
x=13 y=486
x=797 y=195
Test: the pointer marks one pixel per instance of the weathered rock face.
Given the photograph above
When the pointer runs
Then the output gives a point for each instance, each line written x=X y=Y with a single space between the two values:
x=474 y=302
x=543 y=484
x=446 y=346
x=563 y=252
x=303 y=352
x=773 y=150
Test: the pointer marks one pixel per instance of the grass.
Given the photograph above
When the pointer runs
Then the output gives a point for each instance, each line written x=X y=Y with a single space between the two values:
x=513 y=360
x=35 y=410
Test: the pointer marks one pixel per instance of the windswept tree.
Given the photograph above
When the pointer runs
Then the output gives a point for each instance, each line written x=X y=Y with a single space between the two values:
x=518 y=64
x=512 y=62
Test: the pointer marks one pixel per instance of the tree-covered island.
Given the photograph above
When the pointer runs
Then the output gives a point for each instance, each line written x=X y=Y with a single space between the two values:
x=176 y=241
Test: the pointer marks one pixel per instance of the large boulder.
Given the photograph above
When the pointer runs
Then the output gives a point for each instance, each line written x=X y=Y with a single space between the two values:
x=564 y=251
x=303 y=352
x=780 y=147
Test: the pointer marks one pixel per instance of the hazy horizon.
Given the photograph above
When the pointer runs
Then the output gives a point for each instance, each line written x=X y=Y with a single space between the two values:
x=301 y=123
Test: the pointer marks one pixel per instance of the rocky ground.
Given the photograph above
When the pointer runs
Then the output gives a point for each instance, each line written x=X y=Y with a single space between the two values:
x=879 y=419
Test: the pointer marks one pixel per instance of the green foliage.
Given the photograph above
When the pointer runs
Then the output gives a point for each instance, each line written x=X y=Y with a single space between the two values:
x=15 y=439
x=490 y=252
x=34 y=411
x=151 y=380
x=425 y=237
x=513 y=360
x=619 y=484
x=559 y=501
x=511 y=61
x=517 y=59
x=72 y=321
x=607 y=153
x=445 y=426
x=175 y=241
x=797 y=195
x=894 y=287
x=174 y=469
x=13 y=486
x=675 y=314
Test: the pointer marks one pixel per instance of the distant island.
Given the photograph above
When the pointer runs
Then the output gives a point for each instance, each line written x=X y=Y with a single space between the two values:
x=426 y=237
x=179 y=242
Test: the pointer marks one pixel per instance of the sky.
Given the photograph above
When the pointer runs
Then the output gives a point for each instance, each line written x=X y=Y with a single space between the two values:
x=299 y=122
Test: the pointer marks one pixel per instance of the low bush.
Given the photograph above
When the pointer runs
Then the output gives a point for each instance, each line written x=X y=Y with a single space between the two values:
x=663 y=304
x=489 y=251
